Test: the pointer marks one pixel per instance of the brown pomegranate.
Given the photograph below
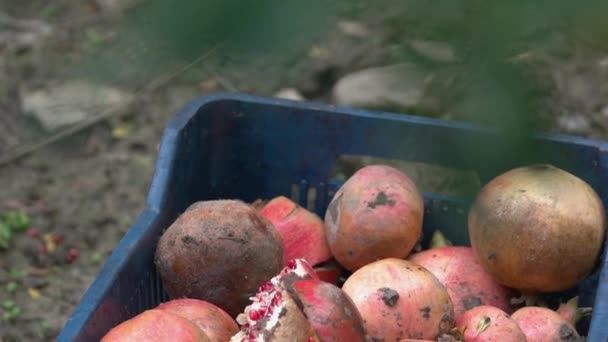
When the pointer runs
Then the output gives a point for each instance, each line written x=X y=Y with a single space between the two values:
x=302 y=232
x=219 y=251
x=212 y=320
x=376 y=214
x=156 y=325
x=399 y=299
x=537 y=228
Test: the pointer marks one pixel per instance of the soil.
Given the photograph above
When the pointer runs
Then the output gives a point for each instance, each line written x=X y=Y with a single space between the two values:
x=83 y=192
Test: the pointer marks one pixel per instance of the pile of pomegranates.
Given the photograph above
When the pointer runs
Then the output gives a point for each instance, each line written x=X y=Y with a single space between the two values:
x=275 y=271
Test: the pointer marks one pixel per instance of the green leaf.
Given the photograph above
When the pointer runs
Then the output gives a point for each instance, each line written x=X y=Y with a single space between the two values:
x=5 y=235
x=8 y=304
x=11 y=314
x=16 y=220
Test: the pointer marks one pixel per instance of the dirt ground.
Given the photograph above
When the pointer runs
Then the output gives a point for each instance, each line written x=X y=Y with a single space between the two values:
x=83 y=192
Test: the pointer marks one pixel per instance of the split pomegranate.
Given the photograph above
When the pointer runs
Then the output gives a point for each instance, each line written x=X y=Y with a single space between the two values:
x=543 y=324
x=468 y=284
x=488 y=324
x=331 y=313
x=399 y=299
x=212 y=320
x=376 y=214
x=537 y=228
x=296 y=306
x=219 y=251
x=156 y=325
x=302 y=231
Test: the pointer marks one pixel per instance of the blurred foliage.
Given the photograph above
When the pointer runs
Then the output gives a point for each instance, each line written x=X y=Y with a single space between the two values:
x=10 y=223
x=493 y=80
x=158 y=34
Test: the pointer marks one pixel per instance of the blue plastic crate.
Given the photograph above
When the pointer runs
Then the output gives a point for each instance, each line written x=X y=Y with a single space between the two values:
x=246 y=147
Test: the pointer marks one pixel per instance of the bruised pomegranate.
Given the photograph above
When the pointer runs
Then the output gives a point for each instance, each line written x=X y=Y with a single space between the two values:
x=468 y=284
x=212 y=320
x=376 y=214
x=302 y=231
x=219 y=251
x=296 y=306
x=399 y=299
x=488 y=324
x=541 y=324
x=156 y=325
x=537 y=228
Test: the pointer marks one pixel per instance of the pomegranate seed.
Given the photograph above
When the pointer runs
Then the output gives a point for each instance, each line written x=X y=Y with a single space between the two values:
x=276 y=300
x=254 y=315
x=262 y=310
x=33 y=233
x=291 y=264
x=311 y=339
x=72 y=255
x=251 y=335
x=42 y=249
x=266 y=287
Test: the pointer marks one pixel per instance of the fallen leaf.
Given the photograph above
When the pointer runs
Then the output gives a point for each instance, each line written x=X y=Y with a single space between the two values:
x=34 y=294
x=121 y=131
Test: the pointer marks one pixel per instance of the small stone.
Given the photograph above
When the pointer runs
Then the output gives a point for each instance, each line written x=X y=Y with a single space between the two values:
x=353 y=28
x=397 y=85
x=289 y=94
x=603 y=63
x=209 y=85
x=67 y=103
x=115 y=5
x=577 y=124
x=436 y=51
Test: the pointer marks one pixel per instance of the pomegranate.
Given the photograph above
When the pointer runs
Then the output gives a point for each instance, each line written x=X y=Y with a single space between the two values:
x=302 y=231
x=486 y=323
x=442 y=338
x=571 y=312
x=543 y=324
x=296 y=306
x=399 y=299
x=219 y=251
x=212 y=320
x=468 y=284
x=376 y=214
x=329 y=271
x=156 y=325
x=537 y=228
x=331 y=313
